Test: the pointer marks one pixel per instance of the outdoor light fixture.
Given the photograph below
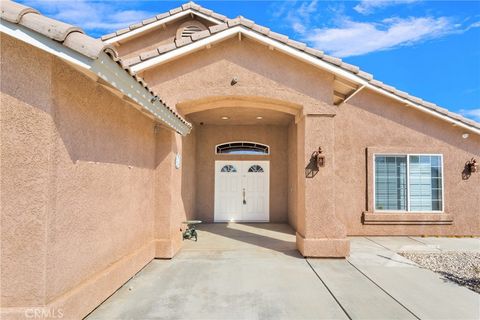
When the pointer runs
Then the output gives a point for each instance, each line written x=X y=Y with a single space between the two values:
x=319 y=158
x=465 y=135
x=472 y=165
x=259 y=118
x=234 y=81
x=225 y=118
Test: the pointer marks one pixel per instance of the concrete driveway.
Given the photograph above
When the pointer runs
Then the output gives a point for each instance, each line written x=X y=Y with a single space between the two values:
x=253 y=271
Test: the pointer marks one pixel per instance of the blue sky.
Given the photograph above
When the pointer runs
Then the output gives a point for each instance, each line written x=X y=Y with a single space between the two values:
x=430 y=49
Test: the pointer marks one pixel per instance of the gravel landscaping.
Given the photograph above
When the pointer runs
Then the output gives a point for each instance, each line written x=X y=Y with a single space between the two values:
x=462 y=268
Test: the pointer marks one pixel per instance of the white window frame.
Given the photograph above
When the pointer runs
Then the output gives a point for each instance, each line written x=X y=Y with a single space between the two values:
x=408 y=182
x=237 y=154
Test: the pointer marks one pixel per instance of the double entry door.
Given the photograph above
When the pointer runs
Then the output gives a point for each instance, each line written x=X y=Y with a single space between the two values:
x=242 y=190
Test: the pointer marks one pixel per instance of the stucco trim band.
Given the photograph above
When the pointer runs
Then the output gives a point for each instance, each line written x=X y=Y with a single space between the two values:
x=84 y=298
x=407 y=218
x=323 y=248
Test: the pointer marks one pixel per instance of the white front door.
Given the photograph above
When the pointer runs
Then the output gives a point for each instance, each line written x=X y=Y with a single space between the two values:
x=242 y=190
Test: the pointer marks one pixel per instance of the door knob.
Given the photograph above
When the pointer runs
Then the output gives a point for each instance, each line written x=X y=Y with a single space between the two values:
x=244 y=201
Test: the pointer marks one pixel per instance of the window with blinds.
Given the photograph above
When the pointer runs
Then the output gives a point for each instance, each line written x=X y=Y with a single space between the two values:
x=408 y=183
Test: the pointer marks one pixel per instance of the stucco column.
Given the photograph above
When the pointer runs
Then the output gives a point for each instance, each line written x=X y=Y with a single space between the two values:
x=319 y=232
x=166 y=229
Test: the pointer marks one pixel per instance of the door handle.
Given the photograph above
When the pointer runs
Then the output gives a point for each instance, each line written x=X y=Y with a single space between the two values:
x=244 y=201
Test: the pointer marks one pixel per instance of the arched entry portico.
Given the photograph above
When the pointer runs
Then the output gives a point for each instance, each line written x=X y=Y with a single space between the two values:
x=305 y=203
x=220 y=120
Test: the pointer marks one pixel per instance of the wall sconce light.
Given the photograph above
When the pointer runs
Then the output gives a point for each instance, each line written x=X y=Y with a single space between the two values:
x=234 y=81
x=472 y=165
x=319 y=158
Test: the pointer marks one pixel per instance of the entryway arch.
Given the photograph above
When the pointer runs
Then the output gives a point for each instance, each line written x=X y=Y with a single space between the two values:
x=256 y=136
x=197 y=105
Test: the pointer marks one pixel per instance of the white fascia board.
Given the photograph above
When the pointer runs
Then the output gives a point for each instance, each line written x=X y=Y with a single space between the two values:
x=169 y=56
x=44 y=43
x=103 y=67
x=159 y=23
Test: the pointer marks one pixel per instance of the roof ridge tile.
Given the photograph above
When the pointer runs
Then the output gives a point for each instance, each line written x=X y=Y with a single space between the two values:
x=182 y=42
x=161 y=16
x=166 y=47
x=332 y=60
x=260 y=29
x=297 y=44
x=175 y=10
x=13 y=12
x=218 y=27
x=278 y=36
x=135 y=26
x=149 y=20
x=314 y=52
x=200 y=35
x=149 y=54
x=49 y=27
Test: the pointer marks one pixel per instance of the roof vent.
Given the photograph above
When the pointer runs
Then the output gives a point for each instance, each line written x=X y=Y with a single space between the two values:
x=189 y=30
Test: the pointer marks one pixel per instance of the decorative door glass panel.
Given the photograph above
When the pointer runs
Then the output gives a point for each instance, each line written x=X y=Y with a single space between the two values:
x=228 y=168
x=255 y=168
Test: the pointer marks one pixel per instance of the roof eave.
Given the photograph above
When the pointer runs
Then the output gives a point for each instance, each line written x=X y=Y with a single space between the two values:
x=104 y=68
x=291 y=51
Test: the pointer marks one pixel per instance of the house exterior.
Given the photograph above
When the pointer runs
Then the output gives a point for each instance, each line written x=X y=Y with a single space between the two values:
x=237 y=123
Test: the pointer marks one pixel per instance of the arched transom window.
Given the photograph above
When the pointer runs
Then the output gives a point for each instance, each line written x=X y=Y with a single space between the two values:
x=228 y=168
x=242 y=147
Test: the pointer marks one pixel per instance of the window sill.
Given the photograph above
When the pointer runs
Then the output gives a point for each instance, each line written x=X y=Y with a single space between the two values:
x=410 y=218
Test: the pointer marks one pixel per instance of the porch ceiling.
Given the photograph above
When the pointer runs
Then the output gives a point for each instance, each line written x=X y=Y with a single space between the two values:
x=241 y=116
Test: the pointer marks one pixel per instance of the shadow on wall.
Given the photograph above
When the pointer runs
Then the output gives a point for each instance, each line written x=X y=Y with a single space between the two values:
x=94 y=125
x=188 y=167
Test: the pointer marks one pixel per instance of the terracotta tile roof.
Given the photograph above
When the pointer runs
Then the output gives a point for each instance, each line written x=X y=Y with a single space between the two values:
x=69 y=36
x=184 y=7
x=241 y=21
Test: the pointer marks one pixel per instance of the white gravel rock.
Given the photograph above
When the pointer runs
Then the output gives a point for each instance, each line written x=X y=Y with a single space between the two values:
x=462 y=268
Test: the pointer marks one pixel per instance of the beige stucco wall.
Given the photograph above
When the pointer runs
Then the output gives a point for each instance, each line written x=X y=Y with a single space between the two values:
x=373 y=121
x=81 y=173
x=27 y=132
x=208 y=136
x=260 y=72
x=369 y=120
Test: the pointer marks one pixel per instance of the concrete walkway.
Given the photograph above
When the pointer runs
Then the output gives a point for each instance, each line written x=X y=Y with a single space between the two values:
x=253 y=271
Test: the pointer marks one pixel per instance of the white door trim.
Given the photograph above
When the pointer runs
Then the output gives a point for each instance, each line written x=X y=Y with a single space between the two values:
x=242 y=167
